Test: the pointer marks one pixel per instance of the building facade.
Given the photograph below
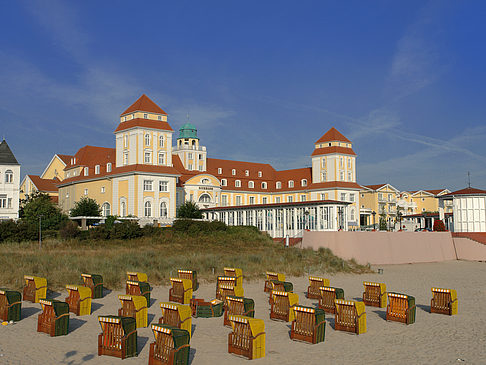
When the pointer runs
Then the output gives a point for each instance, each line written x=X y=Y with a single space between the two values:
x=9 y=183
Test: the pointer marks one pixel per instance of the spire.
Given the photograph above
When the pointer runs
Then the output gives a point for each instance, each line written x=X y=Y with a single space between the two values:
x=144 y=104
x=333 y=135
x=6 y=155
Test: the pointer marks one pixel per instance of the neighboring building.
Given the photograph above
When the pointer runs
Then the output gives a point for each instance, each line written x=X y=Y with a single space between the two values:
x=377 y=200
x=9 y=183
x=469 y=209
x=146 y=176
x=420 y=201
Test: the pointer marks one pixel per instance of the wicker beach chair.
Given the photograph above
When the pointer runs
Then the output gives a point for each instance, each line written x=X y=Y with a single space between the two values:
x=171 y=346
x=191 y=275
x=176 y=315
x=118 y=337
x=95 y=282
x=137 y=276
x=79 y=299
x=247 y=338
x=309 y=325
x=328 y=297
x=35 y=288
x=237 y=273
x=138 y=288
x=134 y=306
x=226 y=280
x=374 y=294
x=228 y=289
x=350 y=316
x=181 y=291
x=10 y=305
x=201 y=308
x=286 y=286
x=400 y=308
x=283 y=304
x=444 y=301
x=238 y=306
x=267 y=287
x=54 y=319
x=315 y=283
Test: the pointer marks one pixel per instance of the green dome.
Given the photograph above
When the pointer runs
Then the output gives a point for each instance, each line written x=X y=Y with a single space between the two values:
x=188 y=130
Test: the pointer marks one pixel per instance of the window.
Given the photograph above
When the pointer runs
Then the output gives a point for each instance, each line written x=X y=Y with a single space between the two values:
x=380 y=196
x=323 y=196
x=108 y=167
x=220 y=170
x=163 y=186
x=247 y=173
x=264 y=185
x=125 y=158
x=349 y=163
x=252 y=200
x=163 y=210
x=290 y=199
x=125 y=140
x=148 y=209
x=324 y=176
x=189 y=167
x=3 y=201
x=148 y=157
x=343 y=197
x=106 y=209
x=303 y=182
x=9 y=203
x=9 y=176
x=201 y=156
x=85 y=191
x=145 y=116
x=279 y=185
x=159 y=117
x=161 y=158
x=85 y=171
x=323 y=163
x=264 y=200
x=97 y=169
x=303 y=198
x=238 y=200
x=67 y=195
x=161 y=141
x=147 y=139
x=147 y=185
x=251 y=184
x=423 y=199
x=205 y=198
x=351 y=197
x=102 y=190
x=362 y=195
x=352 y=214
x=224 y=182
x=423 y=209
x=133 y=116
x=224 y=200
x=260 y=174
x=237 y=183
x=205 y=181
x=329 y=143
x=389 y=197
x=190 y=156
x=291 y=183
x=341 y=175
x=201 y=167
x=341 y=162
x=277 y=199
x=233 y=172
x=349 y=176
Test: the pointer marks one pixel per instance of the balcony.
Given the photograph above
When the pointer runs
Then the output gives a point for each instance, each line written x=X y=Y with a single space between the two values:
x=186 y=147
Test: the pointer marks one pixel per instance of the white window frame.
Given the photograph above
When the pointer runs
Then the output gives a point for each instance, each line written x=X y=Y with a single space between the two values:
x=291 y=183
x=147 y=209
x=161 y=158
x=264 y=185
x=237 y=183
x=147 y=139
x=161 y=141
x=251 y=184
x=220 y=170
x=86 y=171
x=147 y=157
x=278 y=185
x=233 y=172
x=247 y=173
x=108 y=167
x=164 y=212
x=303 y=182
x=9 y=177
x=163 y=186
x=148 y=185
x=97 y=169
x=224 y=182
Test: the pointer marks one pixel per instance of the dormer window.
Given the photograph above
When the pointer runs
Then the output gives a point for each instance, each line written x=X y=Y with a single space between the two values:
x=251 y=184
x=247 y=173
x=220 y=170
x=145 y=116
x=147 y=139
x=159 y=117
x=291 y=183
x=85 y=171
x=329 y=143
x=224 y=182
x=237 y=184
x=303 y=182
x=108 y=167
x=260 y=174
x=279 y=185
x=233 y=172
x=97 y=169
x=133 y=116
x=264 y=185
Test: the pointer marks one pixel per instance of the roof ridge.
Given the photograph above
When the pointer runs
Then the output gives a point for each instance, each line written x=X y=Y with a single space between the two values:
x=144 y=104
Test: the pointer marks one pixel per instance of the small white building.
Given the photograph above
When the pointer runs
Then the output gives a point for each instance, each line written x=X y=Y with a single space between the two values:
x=9 y=183
x=469 y=209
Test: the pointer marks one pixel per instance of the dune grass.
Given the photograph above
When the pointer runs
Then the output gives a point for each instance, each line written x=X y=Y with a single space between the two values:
x=160 y=256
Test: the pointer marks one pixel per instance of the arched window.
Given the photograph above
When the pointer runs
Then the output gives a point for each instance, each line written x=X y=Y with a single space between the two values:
x=251 y=184
x=264 y=185
x=205 y=181
x=205 y=198
x=237 y=183
x=303 y=182
x=279 y=185
x=148 y=209
x=123 y=209
x=291 y=183
x=108 y=167
x=224 y=182
x=147 y=139
x=163 y=210
x=9 y=176
x=106 y=209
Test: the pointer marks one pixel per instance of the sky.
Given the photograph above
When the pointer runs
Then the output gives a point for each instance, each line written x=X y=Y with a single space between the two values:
x=405 y=81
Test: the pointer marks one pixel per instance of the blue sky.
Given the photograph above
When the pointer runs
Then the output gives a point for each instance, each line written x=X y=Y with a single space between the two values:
x=261 y=80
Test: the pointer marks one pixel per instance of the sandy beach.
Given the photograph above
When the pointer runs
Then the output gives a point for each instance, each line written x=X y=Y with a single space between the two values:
x=433 y=339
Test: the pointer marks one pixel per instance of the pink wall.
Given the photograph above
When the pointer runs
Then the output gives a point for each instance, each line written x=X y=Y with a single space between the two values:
x=385 y=247
x=470 y=250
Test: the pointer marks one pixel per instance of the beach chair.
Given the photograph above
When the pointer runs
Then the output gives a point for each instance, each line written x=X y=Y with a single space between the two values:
x=138 y=288
x=213 y=308
x=283 y=304
x=79 y=300
x=229 y=289
x=328 y=297
x=95 y=282
x=191 y=275
x=286 y=286
x=137 y=276
x=10 y=305
x=35 y=288
x=401 y=308
x=350 y=316
x=171 y=346
x=226 y=280
x=247 y=338
x=315 y=283
x=444 y=301
x=134 y=306
x=238 y=306
x=181 y=291
x=309 y=325
x=54 y=319
x=118 y=337
x=374 y=294
x=237 y=273
x=176 y=315
x=267 y=287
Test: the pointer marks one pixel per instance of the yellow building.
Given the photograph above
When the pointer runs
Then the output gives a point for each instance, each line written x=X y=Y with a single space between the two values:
x=378 y=202
x=420 y=201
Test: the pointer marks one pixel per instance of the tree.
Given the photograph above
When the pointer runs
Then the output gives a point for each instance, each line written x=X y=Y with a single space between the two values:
x=86 y=207
x=189 y=210
x=40 y=204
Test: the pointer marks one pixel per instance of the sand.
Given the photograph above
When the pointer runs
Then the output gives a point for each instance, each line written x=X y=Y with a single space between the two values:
x=433 y=339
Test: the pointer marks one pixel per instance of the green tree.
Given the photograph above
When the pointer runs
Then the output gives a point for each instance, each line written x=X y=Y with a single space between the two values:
x=40 y=204
x=189 y=210
x=86 y=207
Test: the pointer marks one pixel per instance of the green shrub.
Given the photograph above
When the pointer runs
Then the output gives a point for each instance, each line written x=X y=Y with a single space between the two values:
x=100 y=232
x=189 y=210
x=126 y=230
x=8 y=230
x=196 y=227
x=69 y=230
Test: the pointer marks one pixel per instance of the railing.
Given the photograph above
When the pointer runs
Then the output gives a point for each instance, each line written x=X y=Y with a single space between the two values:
x=189 y=148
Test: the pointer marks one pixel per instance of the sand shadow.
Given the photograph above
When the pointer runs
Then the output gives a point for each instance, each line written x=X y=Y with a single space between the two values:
x=75 y=323
x=381 y=314
x=358 y=299
x=95 y=307
x=87 y=357
x=141 y=342
x=192 y=355
x=152 y=302
x=425 y=308
x=331 y=321
x=106 y=292
x=193 y=329
x=150 y=317
x=53 y=294
x=27 y=312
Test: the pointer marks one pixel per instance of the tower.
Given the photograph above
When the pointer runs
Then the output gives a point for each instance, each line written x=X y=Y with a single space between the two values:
x=192 y=155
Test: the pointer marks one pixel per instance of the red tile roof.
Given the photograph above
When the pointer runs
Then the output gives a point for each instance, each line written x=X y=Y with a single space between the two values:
x=144 y=104
x=333 y=135
x=467 y=191
x=309 y=202
x=144 y=123
x=374 y=187
x=65 y=158
x=333 y=149
x=91 y=156
x=44 y=185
